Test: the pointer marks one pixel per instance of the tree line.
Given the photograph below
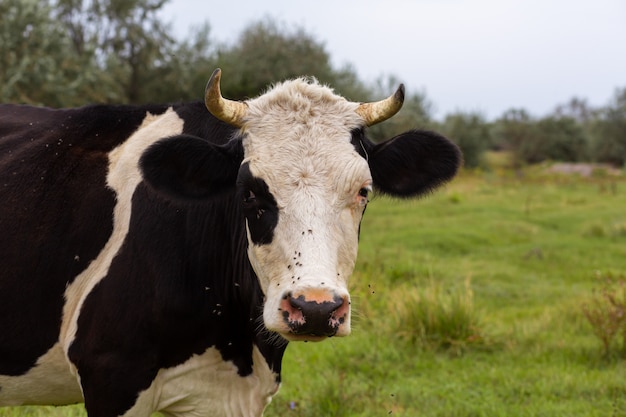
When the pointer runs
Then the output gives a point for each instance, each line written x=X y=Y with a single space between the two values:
x=64 y=53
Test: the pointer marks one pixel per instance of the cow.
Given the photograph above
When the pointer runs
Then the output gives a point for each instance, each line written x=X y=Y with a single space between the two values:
x=161 y=257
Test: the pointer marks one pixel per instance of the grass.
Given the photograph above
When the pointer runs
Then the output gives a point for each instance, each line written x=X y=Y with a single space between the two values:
x=524 y=241
x=510 y=260
x=434 y=318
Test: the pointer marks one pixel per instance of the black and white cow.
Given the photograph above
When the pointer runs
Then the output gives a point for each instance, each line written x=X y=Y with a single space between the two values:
x=160 y=257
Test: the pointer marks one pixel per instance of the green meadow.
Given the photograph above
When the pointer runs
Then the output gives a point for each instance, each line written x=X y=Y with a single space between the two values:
x=498 y=295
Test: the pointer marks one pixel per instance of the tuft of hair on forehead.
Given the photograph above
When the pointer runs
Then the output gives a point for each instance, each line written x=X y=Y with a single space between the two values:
x=307 y=86
x=303 y=100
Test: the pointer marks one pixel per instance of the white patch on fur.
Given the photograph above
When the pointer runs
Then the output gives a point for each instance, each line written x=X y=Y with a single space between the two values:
x=123 y=177
x=48 y=383
x=298 y=141
x=182 y=391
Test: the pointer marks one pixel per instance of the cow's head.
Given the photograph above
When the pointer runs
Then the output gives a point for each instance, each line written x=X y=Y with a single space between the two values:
x=303 y=184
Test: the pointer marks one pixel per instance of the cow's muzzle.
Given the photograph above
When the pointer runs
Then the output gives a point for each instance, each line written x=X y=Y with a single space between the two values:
x=313 y=315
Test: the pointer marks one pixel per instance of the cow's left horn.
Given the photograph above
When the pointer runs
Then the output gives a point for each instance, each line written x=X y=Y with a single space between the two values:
x=380 y=111
x=229 y=111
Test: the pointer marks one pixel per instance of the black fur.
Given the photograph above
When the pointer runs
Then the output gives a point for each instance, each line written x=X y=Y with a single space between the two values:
x=259 y=206
x=187 y=167
x=211 y=297
x=410 y=164
x=52 y=193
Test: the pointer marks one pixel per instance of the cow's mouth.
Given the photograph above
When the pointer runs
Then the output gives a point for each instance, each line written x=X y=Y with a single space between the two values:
x=293 y=337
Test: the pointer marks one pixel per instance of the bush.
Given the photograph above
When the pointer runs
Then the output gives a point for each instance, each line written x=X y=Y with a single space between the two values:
x=606 y=312
x=471 y=133
x=608 y=132
x=437 y=319
x=557 y=139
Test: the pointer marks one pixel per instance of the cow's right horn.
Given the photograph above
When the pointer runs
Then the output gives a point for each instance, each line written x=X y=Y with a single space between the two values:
x=229 y=111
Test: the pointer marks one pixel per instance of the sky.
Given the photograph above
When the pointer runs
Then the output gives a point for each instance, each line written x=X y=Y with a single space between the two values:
x=484 y=56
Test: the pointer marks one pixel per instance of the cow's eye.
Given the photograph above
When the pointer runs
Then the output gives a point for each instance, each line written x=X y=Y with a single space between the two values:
x=364 y=192
x=249 y=197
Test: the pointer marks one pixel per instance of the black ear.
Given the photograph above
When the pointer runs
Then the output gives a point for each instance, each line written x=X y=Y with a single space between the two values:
x=413 y=163
x=187 y=167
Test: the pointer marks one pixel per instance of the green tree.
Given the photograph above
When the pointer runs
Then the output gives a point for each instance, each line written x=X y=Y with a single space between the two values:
x=576 y=108
x=74 y=52
x=267 y=52
x=556 y=138
x=127 y=38
x=37 y=64
x=511 y=131
x=561 y=136
x=608 y=131
x=186 y=68
x=416 y=111
x=471 y=133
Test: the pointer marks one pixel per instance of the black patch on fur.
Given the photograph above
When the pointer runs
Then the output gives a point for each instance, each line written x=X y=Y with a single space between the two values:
x=56 y=214
x=259 y=206
x=410 y=164
x=187 y=167
x=180 y=284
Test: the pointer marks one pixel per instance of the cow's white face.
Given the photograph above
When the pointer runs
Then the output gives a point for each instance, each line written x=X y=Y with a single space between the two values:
x=304 y=189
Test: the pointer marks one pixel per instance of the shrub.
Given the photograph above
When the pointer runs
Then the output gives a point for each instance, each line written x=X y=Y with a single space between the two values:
x=471 y=133
x=608 y=131
x=606 y=311
x=436 y=318
x=558 y=139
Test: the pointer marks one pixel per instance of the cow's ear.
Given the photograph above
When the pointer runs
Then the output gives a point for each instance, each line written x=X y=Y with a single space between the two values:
x=413 y=163
x=187 y=167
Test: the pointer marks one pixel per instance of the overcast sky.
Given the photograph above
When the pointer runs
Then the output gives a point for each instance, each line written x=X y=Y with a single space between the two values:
x=469 y=55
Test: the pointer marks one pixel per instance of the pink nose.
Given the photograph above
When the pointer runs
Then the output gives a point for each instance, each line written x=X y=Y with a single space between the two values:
x=312 y=315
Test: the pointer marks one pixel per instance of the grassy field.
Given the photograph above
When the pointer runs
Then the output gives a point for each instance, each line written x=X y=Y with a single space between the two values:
x=471 y=303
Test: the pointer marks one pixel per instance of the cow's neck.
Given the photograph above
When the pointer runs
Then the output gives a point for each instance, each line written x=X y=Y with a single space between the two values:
x=234 y=295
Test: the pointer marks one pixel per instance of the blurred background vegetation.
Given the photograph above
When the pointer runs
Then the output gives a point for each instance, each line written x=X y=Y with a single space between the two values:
x=63 y=53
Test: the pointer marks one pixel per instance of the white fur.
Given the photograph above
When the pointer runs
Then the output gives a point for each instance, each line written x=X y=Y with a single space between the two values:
x=298 y=140
x=48 y=383
x=206 y=385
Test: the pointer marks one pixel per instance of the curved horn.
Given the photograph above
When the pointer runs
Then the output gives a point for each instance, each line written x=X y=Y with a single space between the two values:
x=379 y=111
x=229 y=111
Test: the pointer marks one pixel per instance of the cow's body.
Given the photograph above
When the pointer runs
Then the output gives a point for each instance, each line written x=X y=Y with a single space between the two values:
x=142 y=249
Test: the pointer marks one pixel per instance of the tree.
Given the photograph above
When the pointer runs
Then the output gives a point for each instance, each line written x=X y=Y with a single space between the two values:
x=471 y=133
x=127 y=38
x=267 y=52
x=512 y=131
x=416 y=111
x=556 y=138
x=608 y=131
x=577 y=109
x=37 y=65
x=74 y=52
